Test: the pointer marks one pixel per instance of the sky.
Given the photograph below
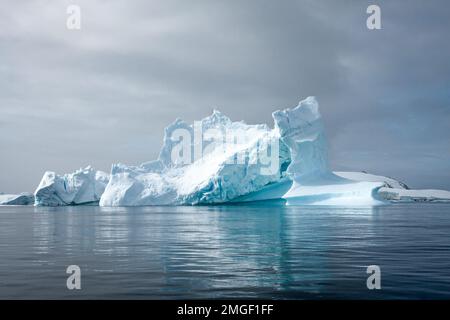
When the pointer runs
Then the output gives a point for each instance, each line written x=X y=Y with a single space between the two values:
x=103 y=94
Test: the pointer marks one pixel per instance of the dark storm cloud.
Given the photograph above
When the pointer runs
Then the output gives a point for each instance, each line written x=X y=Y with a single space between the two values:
x=104 y=94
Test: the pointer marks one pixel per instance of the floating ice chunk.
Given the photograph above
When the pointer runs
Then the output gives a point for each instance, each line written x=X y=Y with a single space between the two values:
x=84 y=186
x=404 y=195
x=397 y=191
x=23 y=199
x=349 y=193
x=301 y=129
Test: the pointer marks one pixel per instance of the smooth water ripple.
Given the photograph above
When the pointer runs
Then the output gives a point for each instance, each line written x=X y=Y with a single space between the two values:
x=226 y=252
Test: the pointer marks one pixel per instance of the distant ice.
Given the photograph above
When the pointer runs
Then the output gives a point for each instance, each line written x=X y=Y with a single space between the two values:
x=23 y=199
x=84 y=186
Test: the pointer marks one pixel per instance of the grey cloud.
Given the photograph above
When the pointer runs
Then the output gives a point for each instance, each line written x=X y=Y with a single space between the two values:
x=104 y=94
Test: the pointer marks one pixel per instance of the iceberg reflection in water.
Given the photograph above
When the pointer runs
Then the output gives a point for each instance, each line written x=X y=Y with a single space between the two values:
x=226 y=251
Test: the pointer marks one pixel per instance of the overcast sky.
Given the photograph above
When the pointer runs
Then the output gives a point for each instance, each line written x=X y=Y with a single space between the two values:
x=104 y=94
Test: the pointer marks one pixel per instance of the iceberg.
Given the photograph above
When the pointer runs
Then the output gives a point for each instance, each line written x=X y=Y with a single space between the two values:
x=218 y=161
x=84 y=186
x=23 y=199
x=295 y=150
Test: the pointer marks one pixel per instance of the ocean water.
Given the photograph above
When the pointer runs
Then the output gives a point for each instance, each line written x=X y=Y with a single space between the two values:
x=226 y=252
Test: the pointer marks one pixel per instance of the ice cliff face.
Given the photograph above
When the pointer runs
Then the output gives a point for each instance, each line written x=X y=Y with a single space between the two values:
x=23 y=199
x=405 y=195
x=214 y=160
x=396 y=191
x=84 y=186
x=301 y=129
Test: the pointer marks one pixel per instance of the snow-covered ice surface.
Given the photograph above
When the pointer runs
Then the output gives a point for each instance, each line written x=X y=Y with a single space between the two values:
x=23 y=199
x=221 y=161
x=301 y=129
x=404 y=195
x=224 y=172
x=364 y=176
x=84 y=186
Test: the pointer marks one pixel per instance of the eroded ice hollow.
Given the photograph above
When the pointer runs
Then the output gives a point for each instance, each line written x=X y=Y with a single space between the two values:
x=84 y=186
x=218 y=161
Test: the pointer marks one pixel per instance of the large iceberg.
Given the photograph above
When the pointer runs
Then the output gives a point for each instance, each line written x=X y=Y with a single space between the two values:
x=397 y=191
x=84 y=186
x=216 y=161
x=240 y=162
x=301 y=129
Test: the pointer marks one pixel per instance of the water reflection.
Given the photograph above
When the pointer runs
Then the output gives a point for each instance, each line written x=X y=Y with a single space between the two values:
x=216 y=252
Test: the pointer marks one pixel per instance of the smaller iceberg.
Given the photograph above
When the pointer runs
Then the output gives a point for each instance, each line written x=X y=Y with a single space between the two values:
x=84 y=186
x=23 y=199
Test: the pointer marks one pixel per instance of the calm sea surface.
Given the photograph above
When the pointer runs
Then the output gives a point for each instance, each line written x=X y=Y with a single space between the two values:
x=226 y=252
